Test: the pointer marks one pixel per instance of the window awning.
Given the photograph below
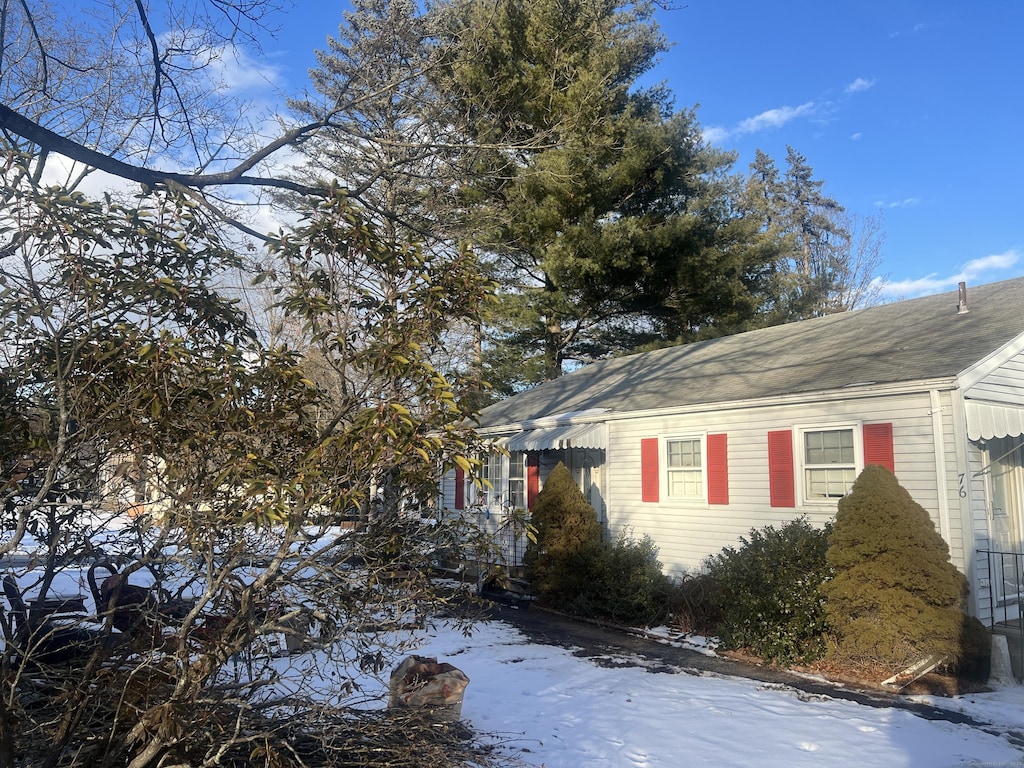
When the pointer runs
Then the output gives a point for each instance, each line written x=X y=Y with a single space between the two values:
x=557 y=438
x=987 y=421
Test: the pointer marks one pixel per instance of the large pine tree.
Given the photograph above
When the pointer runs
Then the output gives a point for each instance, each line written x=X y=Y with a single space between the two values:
x=387 y=142
x=829 y=257
x=604 y=213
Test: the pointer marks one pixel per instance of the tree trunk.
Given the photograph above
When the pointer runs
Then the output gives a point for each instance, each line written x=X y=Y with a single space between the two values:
x=553 y=349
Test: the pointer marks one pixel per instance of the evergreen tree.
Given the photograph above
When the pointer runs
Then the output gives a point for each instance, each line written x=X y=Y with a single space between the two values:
x=604 y=212
x=811 y=220
x=566 y=525
x=829 y=257
x=895 y=596
x=389 y=141
x=385 y=139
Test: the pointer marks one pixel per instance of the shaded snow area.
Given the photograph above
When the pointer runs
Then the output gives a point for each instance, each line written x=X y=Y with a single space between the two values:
x=556 y=710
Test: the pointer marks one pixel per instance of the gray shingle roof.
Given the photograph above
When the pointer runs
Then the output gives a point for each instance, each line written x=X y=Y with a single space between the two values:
x=904 y=341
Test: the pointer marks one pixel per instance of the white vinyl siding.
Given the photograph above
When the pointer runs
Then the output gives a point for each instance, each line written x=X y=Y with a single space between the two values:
x=687 y=533
x=1002 y=384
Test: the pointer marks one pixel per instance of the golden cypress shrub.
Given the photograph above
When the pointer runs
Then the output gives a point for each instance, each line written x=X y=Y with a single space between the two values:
x=566 y=526
x=895 y=596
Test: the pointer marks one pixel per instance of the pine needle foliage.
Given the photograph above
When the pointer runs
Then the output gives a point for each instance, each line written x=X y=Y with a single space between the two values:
x=895 y=596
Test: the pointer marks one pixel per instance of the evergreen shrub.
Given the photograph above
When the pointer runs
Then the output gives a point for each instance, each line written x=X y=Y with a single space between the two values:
x=767 y=592
x=572 y=569
x=565 y=525
x=625 y=583
x=895 y=596
x=975 y=659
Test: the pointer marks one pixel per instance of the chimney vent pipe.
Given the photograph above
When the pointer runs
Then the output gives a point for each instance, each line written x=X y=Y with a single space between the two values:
x=961 y=306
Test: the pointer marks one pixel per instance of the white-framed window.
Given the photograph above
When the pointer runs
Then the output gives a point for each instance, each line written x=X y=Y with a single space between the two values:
x=492 y=477
x=505 y=480
x=516 y=480
x=684 y=467
x=829 y=460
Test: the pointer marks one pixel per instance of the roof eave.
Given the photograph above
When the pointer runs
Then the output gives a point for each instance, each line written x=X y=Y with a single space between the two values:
x=849 y=392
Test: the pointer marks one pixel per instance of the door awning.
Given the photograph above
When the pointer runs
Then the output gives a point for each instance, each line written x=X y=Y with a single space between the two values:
x=986 y=421
x=557 y=438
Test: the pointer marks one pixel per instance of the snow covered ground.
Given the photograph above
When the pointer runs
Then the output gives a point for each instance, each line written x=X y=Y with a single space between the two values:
x=562 y=711
x=550 y=708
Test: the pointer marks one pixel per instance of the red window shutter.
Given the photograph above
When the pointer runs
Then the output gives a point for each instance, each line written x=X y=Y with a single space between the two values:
x=781 y=482
x=649 y=477
x=878 y=446
x=460 y=488
x=718 y=469
x=532 y=478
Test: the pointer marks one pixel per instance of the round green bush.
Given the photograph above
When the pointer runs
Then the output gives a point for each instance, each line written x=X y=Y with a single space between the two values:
x=767 y=594
x=627 y=584
x=572 y=569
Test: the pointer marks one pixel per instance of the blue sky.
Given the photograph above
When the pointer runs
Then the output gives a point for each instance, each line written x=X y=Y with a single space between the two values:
x=913 y=109
x=910 y=108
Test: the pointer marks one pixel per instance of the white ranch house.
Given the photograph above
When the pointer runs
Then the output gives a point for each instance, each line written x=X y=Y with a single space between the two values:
x=697 y=444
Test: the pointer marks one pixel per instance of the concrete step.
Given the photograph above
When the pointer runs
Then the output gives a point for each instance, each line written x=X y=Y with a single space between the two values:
x=1014 y=634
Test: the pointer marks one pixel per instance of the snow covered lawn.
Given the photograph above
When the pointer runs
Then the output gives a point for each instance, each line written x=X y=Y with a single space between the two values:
x=568 y=712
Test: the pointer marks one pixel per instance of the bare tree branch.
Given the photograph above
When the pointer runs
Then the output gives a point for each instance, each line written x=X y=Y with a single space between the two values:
x=37 y=40
x=158 y=71
x=49 y=141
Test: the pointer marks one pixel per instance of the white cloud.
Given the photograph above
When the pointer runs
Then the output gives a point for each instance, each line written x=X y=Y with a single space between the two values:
x=975 y=267
x=234 y=69
x=715 y=135
x=780 y=116
x=860 y=84
x=61 y=171
x=975 y=271
x=226 y=67
x=857 y=136
x=771 y=118
x=907 y=202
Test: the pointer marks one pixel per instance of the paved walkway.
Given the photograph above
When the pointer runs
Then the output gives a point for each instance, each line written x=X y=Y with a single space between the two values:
x=598 y=641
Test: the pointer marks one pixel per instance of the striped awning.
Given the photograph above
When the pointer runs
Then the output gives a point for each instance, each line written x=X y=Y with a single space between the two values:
x=986 y=421
x=557 y=438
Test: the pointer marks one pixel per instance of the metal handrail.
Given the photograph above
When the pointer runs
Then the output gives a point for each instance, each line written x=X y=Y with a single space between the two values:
x=510 y=540
x=1006 y=601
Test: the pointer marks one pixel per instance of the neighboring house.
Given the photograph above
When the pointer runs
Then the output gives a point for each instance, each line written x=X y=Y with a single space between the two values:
x=697 y=444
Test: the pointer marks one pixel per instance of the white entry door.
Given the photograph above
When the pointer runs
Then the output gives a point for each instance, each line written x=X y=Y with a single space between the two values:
x=1006 y=498
x=586 y=466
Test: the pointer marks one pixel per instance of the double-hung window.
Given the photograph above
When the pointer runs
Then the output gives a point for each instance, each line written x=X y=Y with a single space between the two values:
x=505 y=481
x=819 y=464
x=492 y=477
x=830 y=463
x=684 y=468
x=516 y=481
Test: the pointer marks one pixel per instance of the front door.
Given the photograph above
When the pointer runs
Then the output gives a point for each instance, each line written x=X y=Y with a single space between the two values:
x=1006 y=495
x=586 y=464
